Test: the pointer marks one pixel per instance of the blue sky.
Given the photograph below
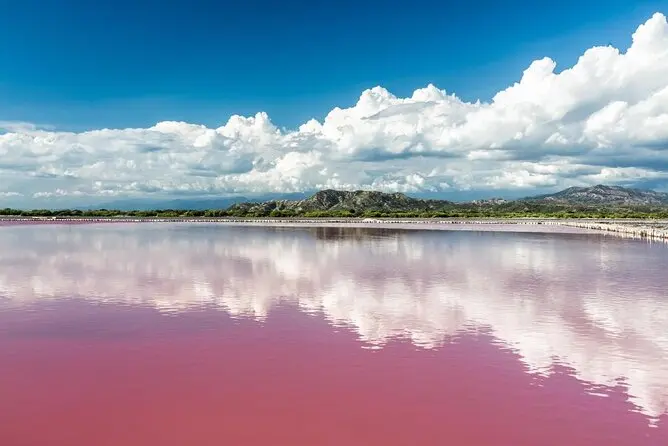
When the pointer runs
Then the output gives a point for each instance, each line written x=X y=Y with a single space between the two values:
x=78 y=64
x=156 y=100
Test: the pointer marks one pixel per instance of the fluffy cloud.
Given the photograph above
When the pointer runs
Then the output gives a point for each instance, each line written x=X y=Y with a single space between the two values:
x=603 y=120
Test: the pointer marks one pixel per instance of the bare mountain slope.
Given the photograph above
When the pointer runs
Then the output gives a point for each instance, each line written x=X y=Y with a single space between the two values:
x=605 y=195
x=356 y=201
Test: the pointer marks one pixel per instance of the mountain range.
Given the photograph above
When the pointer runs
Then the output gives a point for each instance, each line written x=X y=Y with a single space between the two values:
x=370 y=201
x=336 y=200
x=610 y=195
x=364 y=201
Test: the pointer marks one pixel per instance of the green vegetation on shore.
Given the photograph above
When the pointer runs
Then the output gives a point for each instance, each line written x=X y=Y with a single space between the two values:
x=511 y=210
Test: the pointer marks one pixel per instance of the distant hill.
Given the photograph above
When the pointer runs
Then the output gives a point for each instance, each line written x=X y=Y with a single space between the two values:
x=605 y=195
x=369 y=201
x=355 y=201
x=597 y=201
x=589 y=200
x=186 y=203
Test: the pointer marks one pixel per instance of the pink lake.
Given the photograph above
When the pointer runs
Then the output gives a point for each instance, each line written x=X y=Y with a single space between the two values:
x=195 y=334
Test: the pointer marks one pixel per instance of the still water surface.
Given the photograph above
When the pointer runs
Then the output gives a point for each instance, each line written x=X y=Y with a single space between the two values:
x=160 y=334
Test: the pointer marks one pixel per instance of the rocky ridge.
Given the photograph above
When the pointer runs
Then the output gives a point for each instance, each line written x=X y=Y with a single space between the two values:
x=355 y=201
x=607 y=195
x=362 y=201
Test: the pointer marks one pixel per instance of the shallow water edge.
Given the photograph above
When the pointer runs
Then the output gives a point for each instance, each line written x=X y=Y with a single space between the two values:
x=628 y=228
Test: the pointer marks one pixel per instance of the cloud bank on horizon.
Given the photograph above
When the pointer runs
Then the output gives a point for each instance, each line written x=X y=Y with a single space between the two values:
x=604 y=120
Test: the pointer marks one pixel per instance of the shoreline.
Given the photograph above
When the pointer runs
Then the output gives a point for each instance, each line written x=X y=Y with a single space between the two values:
x=629 y=228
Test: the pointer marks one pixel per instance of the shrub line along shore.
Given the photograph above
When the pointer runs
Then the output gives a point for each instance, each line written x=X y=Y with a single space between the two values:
x=642 y=229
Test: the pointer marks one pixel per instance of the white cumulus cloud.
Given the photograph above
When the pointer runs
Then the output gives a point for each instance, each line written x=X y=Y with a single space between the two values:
x=605 y=119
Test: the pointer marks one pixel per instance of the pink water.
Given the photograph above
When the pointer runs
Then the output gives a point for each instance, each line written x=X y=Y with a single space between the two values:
x=183 y=334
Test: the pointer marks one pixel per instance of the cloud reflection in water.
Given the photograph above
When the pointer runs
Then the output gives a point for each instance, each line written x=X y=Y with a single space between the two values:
x=596 y=305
